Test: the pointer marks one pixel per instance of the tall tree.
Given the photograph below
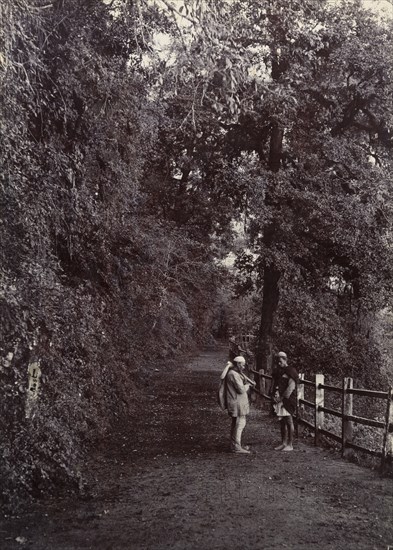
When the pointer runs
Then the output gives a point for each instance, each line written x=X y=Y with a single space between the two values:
x=305 y=87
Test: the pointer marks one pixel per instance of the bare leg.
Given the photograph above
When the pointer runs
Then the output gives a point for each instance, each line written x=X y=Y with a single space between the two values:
x=283 y=430
x=291 y=430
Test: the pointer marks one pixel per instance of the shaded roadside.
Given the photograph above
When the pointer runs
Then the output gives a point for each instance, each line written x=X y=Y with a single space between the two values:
x=167 y=481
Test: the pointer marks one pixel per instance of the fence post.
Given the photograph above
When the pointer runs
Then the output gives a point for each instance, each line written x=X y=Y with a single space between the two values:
x=319 y=402
x=387 y=449
x=347 y=409
x=299 y=396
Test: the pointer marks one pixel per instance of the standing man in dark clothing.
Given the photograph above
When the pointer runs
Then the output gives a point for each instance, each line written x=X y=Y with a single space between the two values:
x=284 y=400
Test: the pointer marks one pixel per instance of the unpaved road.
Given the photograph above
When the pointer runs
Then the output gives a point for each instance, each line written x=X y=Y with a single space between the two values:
x=167 y=481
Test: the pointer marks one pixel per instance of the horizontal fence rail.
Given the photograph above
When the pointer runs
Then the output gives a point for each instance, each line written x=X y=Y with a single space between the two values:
x=305 y=402
x=348 y=419
x=329 y=388
x=369 y=393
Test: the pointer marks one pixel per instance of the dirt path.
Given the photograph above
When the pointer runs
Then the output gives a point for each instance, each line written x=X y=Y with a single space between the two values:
x=170 y=483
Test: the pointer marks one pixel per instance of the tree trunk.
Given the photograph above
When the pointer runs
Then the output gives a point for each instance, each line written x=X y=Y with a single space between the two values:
x=271 y=294
x=275 y=150
x=271 y=275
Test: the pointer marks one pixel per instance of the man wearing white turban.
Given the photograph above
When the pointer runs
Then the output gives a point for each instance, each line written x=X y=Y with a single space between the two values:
x=236 y=400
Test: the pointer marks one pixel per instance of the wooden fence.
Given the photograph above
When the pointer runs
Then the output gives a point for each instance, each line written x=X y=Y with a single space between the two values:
x=348 y=419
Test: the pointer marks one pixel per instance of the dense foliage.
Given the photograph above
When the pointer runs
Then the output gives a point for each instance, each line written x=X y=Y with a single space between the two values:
x=96 y=285
x=301 y=96
x=134 y=135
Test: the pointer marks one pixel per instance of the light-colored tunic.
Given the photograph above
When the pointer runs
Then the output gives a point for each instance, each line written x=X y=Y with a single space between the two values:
x=279 y=408
x=237 y=397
